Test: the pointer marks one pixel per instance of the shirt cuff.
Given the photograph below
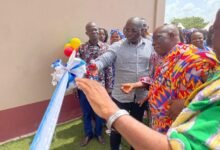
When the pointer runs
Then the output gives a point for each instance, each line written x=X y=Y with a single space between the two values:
x=146 y=80
x=99 y=65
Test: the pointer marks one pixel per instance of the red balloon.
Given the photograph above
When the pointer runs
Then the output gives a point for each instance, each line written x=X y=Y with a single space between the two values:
x=68 y=51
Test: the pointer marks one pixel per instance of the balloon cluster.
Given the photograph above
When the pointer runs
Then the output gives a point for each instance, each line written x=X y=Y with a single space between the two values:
x=73 y=45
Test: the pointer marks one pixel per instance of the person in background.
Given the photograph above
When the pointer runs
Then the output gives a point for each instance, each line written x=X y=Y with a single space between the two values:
x=103 y=35
x=209 y=37
x=89 y=51
x=145 y=33
x=182 y=40
x=197 y=39
x=187 y=35
x=131 y=60
x=196 y=127
x=116 y=35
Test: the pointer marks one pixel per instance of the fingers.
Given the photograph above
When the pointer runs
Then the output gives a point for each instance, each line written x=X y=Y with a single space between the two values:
x=84 y=84
x=125 y=84
x=123 y=90
x=94 y=72
x=170 y=110
x=140 y=103
x=98 y=97
x=92 y=69
x=175 y=107
x=169 y=113
x=170 y=102
x=126 y=88
x=173 y=117
x=91 y=72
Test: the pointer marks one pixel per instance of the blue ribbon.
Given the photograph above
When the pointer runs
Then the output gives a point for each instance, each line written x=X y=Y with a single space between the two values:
x=43 y=137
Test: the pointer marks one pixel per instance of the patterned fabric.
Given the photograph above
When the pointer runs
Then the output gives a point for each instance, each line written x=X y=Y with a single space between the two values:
x=155 y=61
x=198 y=125
x=183 y=70
x=89 y=52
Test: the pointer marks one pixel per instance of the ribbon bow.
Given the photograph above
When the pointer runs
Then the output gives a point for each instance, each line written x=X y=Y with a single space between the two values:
x=63 y=76
x=75 y=67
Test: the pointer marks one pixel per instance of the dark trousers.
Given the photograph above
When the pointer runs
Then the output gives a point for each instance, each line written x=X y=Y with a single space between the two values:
x=88 y=115
x=135 y=111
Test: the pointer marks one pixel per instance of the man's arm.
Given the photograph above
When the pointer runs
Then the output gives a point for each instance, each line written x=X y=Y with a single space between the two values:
x=109 y=79
x=128 y=87
x=137 y=134
x=108 y=58
x=104 y=60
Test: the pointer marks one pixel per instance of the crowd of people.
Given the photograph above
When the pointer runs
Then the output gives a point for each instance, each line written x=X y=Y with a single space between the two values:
x=176 y=82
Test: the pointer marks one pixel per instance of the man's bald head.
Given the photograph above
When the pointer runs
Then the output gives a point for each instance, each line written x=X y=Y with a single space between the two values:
x=92 y=31
x=136 y=21
x=132 y=29
x=145 y=27
x=165 y=38
x=168 y=28
x=89 y=24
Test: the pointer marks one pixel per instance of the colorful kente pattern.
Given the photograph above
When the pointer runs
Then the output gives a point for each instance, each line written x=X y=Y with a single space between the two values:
x=184 y=69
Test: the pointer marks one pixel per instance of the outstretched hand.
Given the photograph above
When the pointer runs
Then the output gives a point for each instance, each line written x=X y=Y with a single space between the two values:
x=92 y=69
x=127 y=87
x=141 y=102
x=98 y=97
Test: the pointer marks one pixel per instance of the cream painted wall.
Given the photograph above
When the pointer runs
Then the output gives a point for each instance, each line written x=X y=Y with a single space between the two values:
x=33 y=32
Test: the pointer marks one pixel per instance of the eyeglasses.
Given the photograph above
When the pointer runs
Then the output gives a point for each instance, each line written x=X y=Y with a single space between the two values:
x=160 y=37
x=133 y=30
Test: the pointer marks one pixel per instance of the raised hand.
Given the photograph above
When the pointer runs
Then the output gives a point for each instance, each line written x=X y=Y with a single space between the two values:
x=98 y=97
x=127 y=87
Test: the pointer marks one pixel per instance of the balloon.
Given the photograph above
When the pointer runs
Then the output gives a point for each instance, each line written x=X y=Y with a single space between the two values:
x=75 y=49
x=67 y=45
x=75 y=43
x=68 y=51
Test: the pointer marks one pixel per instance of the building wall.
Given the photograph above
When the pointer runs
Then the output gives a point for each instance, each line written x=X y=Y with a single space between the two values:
x=33 y=33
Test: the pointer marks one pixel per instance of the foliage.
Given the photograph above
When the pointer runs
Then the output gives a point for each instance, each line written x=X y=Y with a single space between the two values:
x=191 y=22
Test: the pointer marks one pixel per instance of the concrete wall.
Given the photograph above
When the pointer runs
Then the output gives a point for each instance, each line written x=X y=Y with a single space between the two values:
x=32 y=36
x=33 y=32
